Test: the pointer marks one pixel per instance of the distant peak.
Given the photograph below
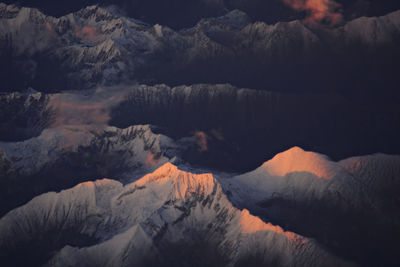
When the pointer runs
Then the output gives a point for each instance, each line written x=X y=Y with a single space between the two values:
x=295 y=149
x=235 y=18
x=296 y=159
x=95 y=11
x=236 y=13
x=291 y=153
x=167 y=171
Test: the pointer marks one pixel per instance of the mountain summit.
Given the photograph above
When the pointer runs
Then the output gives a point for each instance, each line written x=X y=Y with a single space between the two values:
x=154 y=219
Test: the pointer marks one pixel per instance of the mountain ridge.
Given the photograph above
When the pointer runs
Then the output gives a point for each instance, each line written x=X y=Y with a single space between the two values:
x=107 y=48
x=179 y=199
x=359 y=191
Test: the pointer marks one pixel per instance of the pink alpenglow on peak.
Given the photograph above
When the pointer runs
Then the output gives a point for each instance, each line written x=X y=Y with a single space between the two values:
x=298 y=160
x=184 y=183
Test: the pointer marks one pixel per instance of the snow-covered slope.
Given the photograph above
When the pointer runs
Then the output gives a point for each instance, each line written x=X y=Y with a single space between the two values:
x=379 y=177
x=304 y=176
x=152 y=220
x=91 y=45
x=165 y=216
x=312 y=195
x=297 y=174
x=373 y=31
x=66 y=155
x=100 y=46
x=134 y=146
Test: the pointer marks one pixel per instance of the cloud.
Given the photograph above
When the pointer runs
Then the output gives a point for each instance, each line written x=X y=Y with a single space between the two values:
x=78 y=113
x=76 y=117
x=74 y=137
x=201 y=140
x=70 y=109
x=318 y=11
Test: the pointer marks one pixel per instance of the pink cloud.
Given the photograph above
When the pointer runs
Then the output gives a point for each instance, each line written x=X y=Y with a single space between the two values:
x=76 y=118
x=74 y=137
x=69 y=110
x=318 y=11
x=201 y=140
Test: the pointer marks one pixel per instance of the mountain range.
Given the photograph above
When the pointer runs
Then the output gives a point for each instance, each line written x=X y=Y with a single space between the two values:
x=96 y=45
x=139 y=133
x=164 y=217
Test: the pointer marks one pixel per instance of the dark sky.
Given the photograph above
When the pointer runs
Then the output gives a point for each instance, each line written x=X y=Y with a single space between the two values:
x=185 y=13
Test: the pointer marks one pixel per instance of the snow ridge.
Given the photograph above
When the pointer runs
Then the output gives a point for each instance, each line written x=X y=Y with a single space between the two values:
x=132 y=221
x=97 y=44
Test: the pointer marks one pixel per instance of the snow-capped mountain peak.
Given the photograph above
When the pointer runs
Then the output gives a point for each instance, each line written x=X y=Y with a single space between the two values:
x=294 y=173
x=28 y=32
x=298 y=160
x=185 y=184
x=166 y=207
